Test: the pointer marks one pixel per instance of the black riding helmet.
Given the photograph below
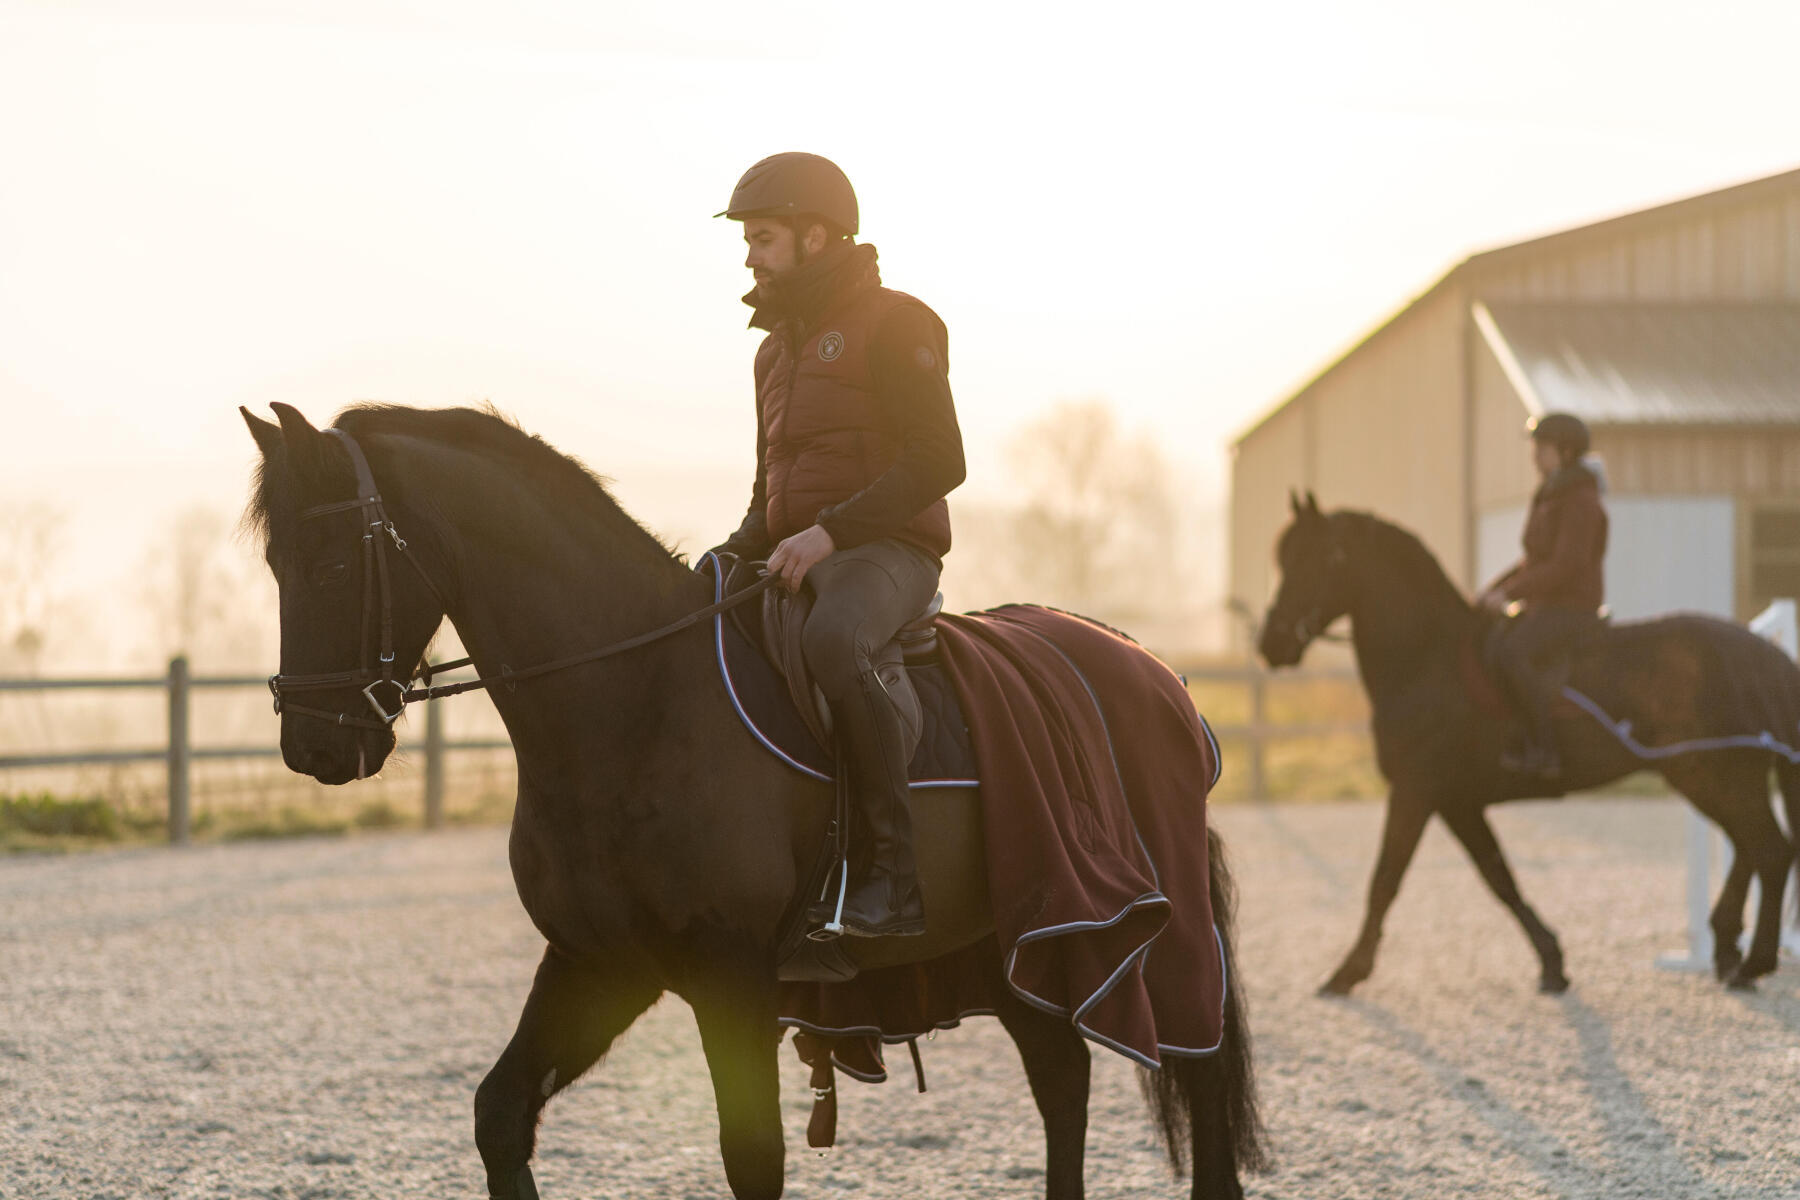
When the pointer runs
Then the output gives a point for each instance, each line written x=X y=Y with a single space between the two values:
x=786 y=185
x=1566 y=431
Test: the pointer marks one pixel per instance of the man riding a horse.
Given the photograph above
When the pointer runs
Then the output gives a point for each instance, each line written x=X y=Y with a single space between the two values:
x=1555 y=592
x=857 y=445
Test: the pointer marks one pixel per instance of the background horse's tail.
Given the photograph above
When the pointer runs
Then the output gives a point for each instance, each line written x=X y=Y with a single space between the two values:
x=1787 y=774
x=1210 y=1103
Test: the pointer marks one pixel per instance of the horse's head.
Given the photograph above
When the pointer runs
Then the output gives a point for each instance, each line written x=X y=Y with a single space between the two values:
x=354 y=620
x=1315 y=586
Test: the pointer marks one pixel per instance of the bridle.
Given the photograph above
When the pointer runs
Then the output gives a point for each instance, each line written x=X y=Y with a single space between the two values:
x=377 y=653
x=1313 y=626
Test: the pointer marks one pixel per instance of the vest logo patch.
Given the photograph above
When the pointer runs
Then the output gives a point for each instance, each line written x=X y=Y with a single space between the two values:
x=831 y=345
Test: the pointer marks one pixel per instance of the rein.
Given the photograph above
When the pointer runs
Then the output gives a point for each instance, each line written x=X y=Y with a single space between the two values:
x=378 y=615
x=1304 y=633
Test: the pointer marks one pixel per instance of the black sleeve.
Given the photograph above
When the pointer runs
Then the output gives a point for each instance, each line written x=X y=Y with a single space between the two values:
x=909 y=362
x=751 y=540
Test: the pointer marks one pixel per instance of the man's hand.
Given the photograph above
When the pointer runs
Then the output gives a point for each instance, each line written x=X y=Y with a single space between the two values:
x=799 y=554
x=1495 y=601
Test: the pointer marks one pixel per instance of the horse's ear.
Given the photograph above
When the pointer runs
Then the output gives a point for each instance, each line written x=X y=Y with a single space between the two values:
x=1294 y=501
x=266 y=433
x=306 y=446
x=1312 y=504
x=293 y=423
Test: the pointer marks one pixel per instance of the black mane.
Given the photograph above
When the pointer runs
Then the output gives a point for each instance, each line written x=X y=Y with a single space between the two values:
x=1413 y=566
x=483 y=431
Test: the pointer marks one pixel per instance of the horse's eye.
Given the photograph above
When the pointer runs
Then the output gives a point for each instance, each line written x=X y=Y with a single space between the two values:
x=329 y=574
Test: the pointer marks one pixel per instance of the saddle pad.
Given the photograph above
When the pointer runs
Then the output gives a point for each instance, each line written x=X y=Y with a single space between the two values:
x=945 y=756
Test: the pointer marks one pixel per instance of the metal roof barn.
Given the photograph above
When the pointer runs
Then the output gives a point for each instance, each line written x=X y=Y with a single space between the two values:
x=1674 y=331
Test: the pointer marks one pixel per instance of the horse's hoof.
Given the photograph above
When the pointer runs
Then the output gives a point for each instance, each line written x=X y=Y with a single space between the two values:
x=1338 y=985
x=1726 y=967
x=1554 y=985
x=1752 y=969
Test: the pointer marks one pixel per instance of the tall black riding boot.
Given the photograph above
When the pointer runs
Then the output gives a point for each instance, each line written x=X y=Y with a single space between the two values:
x=887 y=902
x=1538 y=757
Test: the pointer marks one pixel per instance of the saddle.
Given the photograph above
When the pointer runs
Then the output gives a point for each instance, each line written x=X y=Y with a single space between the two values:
x=779 y=627
x=1482 y=679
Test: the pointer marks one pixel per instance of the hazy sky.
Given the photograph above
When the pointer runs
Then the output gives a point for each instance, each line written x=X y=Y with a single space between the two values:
x=1186 y=208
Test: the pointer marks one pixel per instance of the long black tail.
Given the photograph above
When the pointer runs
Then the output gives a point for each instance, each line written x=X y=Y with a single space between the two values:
x=1787 y=774
x=1210 y=1103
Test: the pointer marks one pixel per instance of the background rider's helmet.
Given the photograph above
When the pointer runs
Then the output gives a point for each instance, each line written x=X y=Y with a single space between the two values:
x=1566 y=431
x=786 y=185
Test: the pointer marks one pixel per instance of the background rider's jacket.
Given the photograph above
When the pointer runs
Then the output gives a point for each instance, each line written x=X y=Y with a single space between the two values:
x=856 y=428
x=1565 y=544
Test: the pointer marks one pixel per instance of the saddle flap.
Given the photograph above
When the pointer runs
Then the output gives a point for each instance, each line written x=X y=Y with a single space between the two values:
x=784 y=622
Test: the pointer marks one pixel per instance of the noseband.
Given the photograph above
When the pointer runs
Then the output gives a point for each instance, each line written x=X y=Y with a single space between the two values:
x=377 y=669
x=1314 y=625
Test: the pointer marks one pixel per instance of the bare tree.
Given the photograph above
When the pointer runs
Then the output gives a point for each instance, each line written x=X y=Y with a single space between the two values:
x=1097 y=529
x=29 y=545
x=198 y=585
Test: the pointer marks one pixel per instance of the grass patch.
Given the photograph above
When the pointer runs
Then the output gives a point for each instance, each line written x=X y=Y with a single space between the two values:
x=43 y=821
x=380 y=815
x=488 y=808
x=287 y=822
x=51 y=816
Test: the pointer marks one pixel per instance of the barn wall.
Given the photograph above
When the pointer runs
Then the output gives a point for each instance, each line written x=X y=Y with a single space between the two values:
x=1382 y=430
x=1666 y=460
x=1749 y=250
x=1502 y=459
x=1264 y=466
x=1390 y=428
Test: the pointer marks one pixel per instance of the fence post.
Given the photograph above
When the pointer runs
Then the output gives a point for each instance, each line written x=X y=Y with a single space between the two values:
x=434 y=766
x=179 y=755
x=1258 y=784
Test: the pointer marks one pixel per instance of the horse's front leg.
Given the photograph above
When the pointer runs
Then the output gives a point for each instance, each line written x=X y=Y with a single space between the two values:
x=572 y=1015
x=734 y=1002
x=1406 y=817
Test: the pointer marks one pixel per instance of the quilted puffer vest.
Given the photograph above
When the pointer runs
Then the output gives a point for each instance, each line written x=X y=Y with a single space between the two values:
x=826 y=434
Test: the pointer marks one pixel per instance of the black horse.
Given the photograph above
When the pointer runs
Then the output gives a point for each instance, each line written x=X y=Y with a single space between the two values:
x=1693 y=694
x=654 y=844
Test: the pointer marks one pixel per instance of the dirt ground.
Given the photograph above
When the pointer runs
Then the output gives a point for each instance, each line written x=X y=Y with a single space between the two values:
x=308 y=1020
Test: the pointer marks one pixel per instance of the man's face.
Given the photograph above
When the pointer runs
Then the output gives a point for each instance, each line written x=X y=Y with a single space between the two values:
x=1546 y=457
x=772 y=249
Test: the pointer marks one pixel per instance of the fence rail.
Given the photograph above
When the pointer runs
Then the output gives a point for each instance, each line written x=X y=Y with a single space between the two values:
x=1259 y=731
x=180 y=753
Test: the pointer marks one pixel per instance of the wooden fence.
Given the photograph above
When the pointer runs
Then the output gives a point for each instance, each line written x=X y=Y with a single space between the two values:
x=1256 y=733
x=180 y=753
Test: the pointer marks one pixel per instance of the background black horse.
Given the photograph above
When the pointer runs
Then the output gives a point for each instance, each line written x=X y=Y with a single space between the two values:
x=1678 y=681
x=655 y=845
